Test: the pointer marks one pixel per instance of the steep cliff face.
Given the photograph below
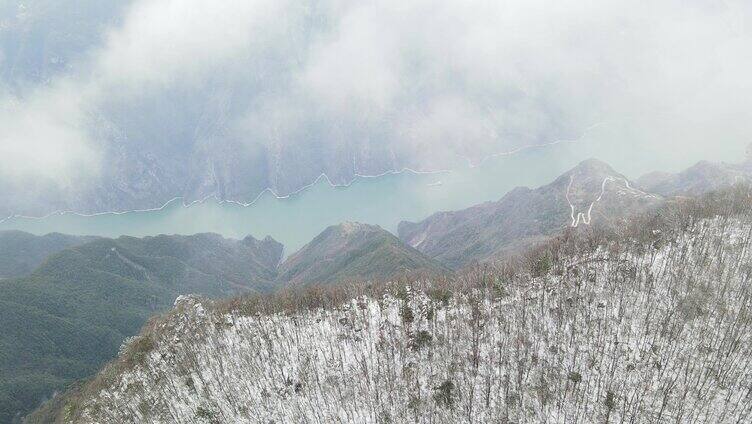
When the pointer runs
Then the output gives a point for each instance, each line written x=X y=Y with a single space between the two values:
x=652 y=327
x=591 y=192
x=168 y=142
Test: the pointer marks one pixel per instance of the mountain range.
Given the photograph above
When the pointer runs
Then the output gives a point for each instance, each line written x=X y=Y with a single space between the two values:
x=639 y=324
x=98 y=291
x=69 y=315
x=591 y=192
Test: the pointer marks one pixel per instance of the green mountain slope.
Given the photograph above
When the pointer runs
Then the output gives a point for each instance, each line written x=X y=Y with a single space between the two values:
x=71 y=314
x=355 y=252
x=21 y=252
x=68 y=317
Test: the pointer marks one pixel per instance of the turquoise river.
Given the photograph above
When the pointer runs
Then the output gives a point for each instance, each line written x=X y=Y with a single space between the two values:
x=384 y=200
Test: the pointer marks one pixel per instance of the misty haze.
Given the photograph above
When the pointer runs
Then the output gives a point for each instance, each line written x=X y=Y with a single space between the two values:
x=254 y=211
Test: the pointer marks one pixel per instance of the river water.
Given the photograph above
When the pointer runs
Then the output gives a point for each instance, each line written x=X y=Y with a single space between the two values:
x=384 y=200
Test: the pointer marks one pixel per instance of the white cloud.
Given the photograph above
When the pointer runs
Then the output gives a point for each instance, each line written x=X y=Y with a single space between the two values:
x=435 y=79
x=179 y=41
x=355 y=67
x=470 y=78
x=44 y=135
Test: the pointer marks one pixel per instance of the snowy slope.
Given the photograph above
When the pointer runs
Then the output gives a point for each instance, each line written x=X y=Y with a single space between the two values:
x=650 y=327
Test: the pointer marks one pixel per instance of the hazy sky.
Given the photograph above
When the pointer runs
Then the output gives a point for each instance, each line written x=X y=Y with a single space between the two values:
x=432 y=78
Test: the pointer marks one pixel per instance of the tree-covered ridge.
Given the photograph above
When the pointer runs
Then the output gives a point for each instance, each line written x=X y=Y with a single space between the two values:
x=644 y=323
x=355 y=252
x=70 y=315
x=67 y=318
x=21 y=253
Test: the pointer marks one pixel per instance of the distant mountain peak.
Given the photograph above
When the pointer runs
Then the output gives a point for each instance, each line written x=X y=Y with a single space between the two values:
x=356 y=252
x=590 y=169
x=594 y=165
x=351 y=226
x=702 y=177
x=592 y=191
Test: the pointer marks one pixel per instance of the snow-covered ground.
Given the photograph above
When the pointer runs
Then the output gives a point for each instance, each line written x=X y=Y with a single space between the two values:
x=639 y=332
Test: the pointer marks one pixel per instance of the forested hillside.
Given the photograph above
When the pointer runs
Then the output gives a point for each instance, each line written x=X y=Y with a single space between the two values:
x=21 y=252
x=68 y=317
x=358 y=252
x=644 y=323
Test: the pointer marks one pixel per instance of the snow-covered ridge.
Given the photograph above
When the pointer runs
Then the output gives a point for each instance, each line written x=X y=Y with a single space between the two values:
x=638 y=331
